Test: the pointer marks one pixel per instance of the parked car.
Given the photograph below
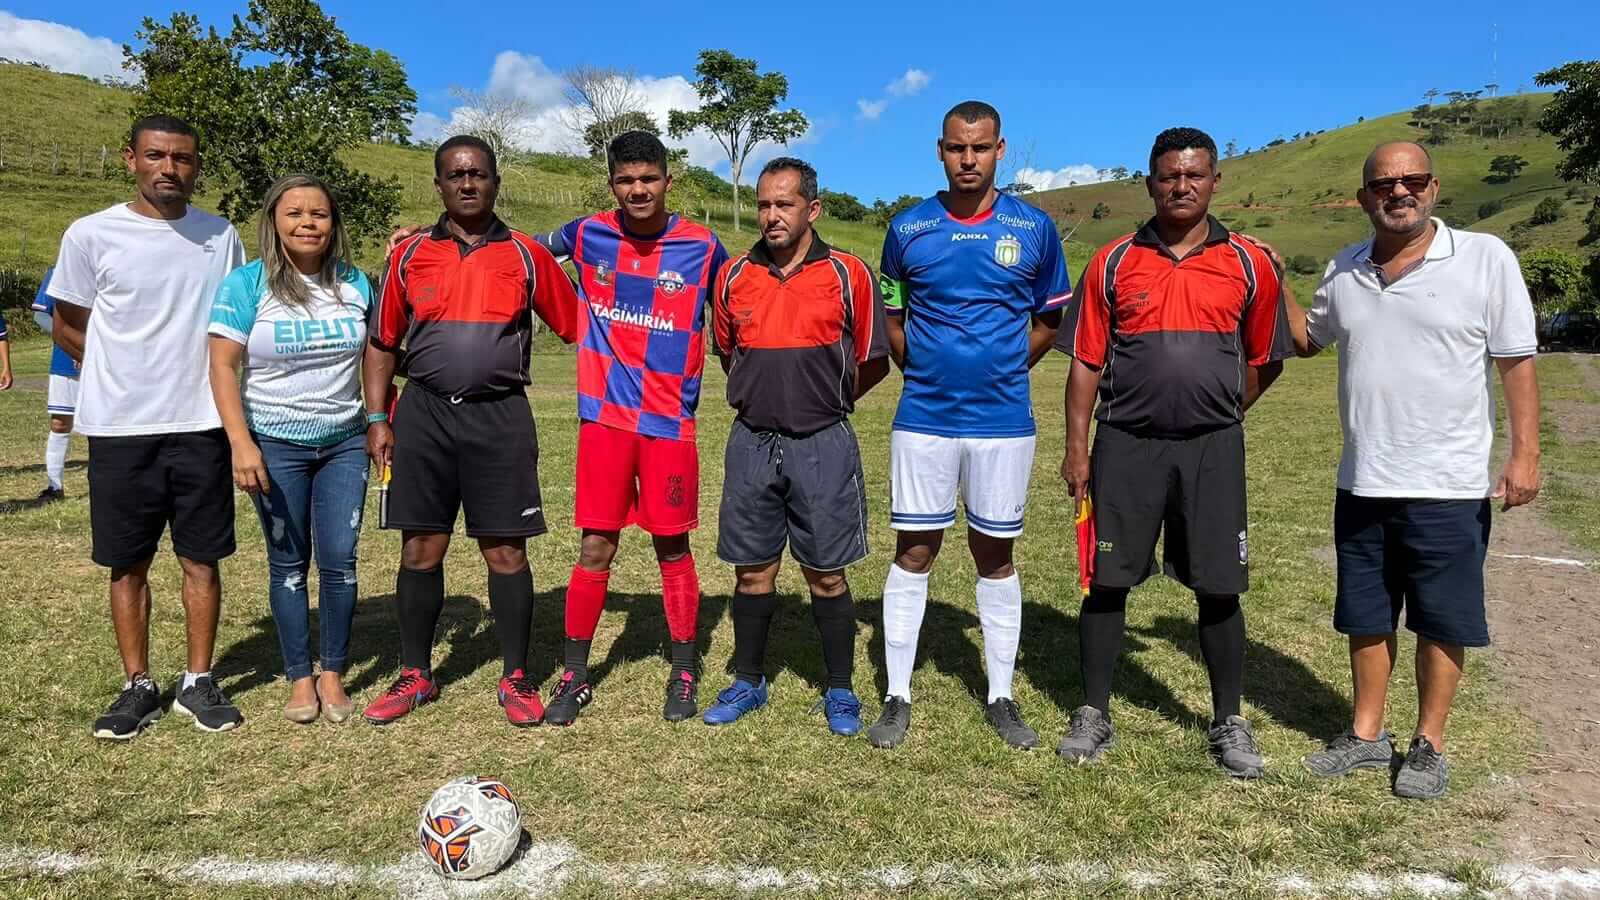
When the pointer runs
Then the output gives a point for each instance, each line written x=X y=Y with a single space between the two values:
x=1570 y=331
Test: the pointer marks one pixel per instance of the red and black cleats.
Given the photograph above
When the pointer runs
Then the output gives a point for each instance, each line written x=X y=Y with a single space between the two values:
x=409 y=691
x=569 y=698
x=519 y=694
x=682 y=688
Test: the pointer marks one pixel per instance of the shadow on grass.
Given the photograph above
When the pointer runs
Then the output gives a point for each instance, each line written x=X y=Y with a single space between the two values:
x=943 y=644
x=38 y=467
x=1273 y=681
x=644 y=631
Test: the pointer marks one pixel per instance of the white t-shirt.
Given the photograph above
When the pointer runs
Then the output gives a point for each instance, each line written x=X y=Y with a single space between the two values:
x=148 y=284
x=302 y=366
x=1416 y=397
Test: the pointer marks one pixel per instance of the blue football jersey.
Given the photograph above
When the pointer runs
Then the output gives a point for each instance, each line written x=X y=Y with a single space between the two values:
x=44 y=305
x=967 y=291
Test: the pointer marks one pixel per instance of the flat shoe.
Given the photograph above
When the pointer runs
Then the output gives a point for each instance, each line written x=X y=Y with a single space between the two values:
x=302 y=714
x=337 y=712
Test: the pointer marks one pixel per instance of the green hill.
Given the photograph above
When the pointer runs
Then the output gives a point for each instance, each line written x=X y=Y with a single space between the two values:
x=1300 y=195
x=60 y=136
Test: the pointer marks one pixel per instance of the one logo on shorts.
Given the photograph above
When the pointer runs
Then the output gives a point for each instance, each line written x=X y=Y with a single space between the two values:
x=1008 y=251
x=1244 y=548
x=669 y=282
x=674 y=490
x=1105 y=546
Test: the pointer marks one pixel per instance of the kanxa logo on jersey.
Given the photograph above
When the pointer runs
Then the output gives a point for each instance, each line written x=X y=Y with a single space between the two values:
x=968 y=236
x=1008 y=251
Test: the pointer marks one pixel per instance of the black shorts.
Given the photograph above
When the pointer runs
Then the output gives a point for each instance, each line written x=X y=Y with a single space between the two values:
x=806 y=491
x=1193 y=488
x=1423 y=556
x=479 y=455
x=140 y=485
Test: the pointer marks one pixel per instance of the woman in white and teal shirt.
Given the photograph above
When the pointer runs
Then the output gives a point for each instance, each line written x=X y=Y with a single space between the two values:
x=295 y=321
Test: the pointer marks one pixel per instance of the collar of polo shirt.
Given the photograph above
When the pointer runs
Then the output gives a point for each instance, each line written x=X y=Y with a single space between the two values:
x=1443 y=245
x=498 y=230
x=1150 y=237
x=818 y=252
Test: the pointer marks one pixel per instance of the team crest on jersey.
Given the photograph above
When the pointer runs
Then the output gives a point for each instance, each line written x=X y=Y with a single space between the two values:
x=669 y=282
x=1008 y=251
x=602 y=275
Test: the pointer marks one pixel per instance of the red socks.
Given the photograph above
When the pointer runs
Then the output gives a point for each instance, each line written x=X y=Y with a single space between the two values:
x=680 y=595
x=586 y=597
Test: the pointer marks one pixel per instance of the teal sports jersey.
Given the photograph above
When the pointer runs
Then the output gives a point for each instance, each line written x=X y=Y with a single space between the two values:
x=967 y=291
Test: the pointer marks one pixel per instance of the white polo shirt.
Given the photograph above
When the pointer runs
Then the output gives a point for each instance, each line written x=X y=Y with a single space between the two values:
x=1416 y=360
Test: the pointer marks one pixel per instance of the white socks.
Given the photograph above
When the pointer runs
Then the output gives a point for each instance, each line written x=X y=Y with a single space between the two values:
x=905 y=599
x=189 y=678
x=55 y=457
x=1000 y=613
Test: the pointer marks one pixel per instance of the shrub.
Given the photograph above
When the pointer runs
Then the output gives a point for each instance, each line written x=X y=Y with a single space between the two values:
x=1490 y=208
x=1548 y=210
x=1304 y=264
x=1446 y=201
x=1265 y=222
x=1101 y=211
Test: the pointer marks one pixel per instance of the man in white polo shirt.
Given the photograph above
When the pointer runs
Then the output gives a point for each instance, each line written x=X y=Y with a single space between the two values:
x=1422 y=313
x=134 y=285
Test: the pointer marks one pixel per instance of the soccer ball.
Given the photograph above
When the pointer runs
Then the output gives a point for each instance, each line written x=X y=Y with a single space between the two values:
x=470 y=827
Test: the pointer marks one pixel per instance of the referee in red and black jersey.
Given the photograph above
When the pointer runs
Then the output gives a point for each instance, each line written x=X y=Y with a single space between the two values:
x=800 y=331
x=1178 y=328
x=458 y=303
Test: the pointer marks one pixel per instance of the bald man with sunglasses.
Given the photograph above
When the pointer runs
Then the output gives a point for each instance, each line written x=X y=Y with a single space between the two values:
x=1421 y=312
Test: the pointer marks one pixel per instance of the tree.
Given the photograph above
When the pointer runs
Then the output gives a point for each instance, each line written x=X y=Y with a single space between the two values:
x=1592 y=221
x=1490 y=208
x=883 y=212
x=1101 y=210
x=1548 y=210
x=738 y=106
x=1018 y=188
x=1573 y=118
x=1429 y=95
x=1231 y=149
x=842 y=206
x=1118 y=173
x=500 y=118
x=598 y=136
x=1506 y=167
x=600 y=100
x=1554 y=278
x=284 y=91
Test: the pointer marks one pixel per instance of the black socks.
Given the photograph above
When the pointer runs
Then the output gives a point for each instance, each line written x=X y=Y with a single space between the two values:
x=836 y=624
x=511 y=601
x=1101 y=624
x=418 y=600
x=1222 y=647
x=752 y=620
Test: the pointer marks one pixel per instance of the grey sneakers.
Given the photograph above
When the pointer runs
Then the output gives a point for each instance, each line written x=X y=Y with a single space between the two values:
x=1233 y=746
x=1348 y=752
x=1005 y=717
x=1424 y=775
x=1089 y=734
x=891 y=726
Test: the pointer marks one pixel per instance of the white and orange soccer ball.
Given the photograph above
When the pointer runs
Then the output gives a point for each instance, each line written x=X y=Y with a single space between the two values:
x=470 y=827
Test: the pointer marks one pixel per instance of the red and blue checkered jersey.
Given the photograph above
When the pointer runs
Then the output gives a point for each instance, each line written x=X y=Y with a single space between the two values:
x=641 y=346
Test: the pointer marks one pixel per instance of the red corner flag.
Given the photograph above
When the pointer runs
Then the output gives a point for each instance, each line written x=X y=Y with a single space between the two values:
x=1086 y=543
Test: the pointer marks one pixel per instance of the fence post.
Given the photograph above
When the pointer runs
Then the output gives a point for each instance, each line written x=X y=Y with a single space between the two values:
x=103 y=161
x=55 y=157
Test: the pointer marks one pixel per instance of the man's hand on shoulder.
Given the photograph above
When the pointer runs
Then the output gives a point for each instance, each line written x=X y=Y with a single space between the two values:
x=1266 y=248
x=400 y=234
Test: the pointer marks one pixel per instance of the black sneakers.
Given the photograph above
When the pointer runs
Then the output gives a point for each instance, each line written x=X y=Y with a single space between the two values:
x=682 y=688
x=1233 y=745
x=891 y=726
x=1005 y=717
x=567 y=700
x=50 y=494
x=136 y=707
x=1089 y=734
x=205 y=703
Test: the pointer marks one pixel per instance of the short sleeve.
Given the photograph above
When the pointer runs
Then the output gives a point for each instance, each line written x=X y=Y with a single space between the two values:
x=719 y=259
x=44 y=305
x=1052 y=286
x=562 y=242
x=392 y=316
x=74 y=279
x=1085 y=332
x=235 y=249
x=3 y=333
x=1512 y=326
x=870 y=337
x=554 y=298
x=721 y=316
x=891 y=275
x=1266 y=323
x=1319 y=318
x=233 y=312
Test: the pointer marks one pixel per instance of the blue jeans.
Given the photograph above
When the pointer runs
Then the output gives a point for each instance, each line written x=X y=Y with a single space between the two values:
x=316 y=499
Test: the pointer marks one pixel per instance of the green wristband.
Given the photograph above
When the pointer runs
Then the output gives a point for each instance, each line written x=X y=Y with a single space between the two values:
x=374 y=418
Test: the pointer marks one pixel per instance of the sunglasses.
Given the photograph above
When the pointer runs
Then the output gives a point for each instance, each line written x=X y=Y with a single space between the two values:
x=1416 y=184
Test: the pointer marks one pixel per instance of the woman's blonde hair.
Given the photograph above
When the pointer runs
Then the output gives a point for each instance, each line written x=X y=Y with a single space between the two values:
x=283 y=279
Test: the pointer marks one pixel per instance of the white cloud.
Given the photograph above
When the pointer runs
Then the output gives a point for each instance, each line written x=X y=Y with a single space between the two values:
x=1046 y=179
x=910 y=84
x=871 y=110
x=61 y=48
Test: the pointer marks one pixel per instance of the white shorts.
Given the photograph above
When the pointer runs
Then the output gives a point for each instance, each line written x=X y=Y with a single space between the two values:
x=63 y=397
x=926 y=470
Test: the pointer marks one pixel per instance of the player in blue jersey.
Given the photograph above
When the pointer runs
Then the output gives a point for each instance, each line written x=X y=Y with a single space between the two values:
x=974 y=283
x=61 y=402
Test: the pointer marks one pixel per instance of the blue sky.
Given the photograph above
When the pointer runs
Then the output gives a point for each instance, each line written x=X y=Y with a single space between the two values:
x=1078 y=88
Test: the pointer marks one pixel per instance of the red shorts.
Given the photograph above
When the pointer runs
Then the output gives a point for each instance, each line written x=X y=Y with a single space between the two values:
x=625 y=478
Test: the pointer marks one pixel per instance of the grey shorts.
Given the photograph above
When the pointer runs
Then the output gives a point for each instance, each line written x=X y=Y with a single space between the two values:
x=806 y=491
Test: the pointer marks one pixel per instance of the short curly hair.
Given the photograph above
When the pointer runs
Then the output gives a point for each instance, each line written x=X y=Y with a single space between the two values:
x=1182 y=139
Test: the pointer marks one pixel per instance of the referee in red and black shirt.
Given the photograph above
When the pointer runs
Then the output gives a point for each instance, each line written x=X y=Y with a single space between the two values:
x=800 y=331
x=1178 y=327
x=458 y=302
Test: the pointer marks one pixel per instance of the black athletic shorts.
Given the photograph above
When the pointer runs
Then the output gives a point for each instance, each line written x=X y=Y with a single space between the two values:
x=806 y=491
x=479 y=455
x=1423 y=556
x=1191 y=488
x=140 y=485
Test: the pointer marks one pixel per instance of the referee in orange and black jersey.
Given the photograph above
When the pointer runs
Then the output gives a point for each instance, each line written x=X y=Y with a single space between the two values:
x=461 y=299
x=800 y=331
x=1178 y=327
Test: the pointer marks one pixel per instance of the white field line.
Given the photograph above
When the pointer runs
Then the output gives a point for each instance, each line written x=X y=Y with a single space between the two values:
x=1548 y=560
x=545 y=868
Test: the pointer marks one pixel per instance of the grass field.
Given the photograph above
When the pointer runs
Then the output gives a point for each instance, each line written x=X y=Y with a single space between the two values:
x=777 y=790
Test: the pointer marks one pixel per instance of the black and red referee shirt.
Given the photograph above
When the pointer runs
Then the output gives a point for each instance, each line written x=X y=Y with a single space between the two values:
x=1172 y=337
x=463 y=313
x=794 y=341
